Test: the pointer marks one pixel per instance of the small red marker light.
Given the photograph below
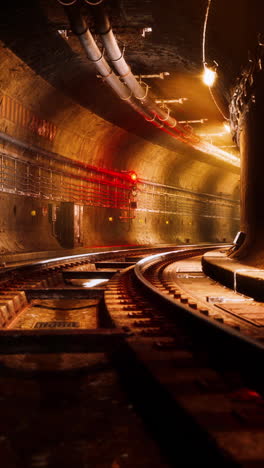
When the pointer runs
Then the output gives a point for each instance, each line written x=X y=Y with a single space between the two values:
x=246 y=394
x=133 y=176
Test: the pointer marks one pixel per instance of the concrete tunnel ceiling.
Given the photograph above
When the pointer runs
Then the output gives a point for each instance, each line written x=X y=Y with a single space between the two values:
x=48 y=75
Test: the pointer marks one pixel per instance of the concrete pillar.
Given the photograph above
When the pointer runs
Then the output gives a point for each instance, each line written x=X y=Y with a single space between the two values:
x=251 y=127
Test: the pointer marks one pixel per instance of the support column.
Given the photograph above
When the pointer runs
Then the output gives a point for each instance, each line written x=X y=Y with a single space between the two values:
x=248 y=109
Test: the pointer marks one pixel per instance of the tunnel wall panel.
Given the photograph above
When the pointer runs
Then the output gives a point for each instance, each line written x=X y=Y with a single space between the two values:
x=32 y=110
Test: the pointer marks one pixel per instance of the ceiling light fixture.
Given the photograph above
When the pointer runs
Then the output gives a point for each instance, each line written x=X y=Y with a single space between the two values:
x=209 y=76
x=169 y=101
x=207 y=135
x=228 y=146
x=192 y=121
x=63 y=33
x=227 y=127
x=146 y=30
x=154 y=75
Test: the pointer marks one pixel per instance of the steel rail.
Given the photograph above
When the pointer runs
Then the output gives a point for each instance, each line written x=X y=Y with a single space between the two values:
x=247 y=353
x=213 y=378
x=89 y=256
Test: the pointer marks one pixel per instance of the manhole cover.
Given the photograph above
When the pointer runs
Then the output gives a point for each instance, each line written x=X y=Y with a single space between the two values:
x=57 y=325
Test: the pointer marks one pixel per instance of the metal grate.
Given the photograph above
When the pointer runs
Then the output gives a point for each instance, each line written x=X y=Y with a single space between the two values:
x=57 y=325
x=94 y=186
x=87 y=187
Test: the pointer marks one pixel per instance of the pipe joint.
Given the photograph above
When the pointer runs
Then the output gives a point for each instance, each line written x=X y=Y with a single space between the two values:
x=104 y=33
x=126 y=74
x=121 y=56
x=98 y=60
x=104 y=77
x=80 y=33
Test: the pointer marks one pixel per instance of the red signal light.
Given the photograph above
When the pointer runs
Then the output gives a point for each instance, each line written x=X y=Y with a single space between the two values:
x=133 y=176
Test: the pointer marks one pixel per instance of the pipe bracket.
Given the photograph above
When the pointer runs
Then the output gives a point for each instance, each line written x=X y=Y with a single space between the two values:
x=126 y=74
x=94 y=3
x=104 y=77
x=151 y=120
x=141 y=98
x=174 y=125
x=167 y=116
x=67 y=3
x=127 y=98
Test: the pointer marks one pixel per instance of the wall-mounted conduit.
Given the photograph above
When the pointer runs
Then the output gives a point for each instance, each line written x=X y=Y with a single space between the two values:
x=130 y=90
x=37 y=179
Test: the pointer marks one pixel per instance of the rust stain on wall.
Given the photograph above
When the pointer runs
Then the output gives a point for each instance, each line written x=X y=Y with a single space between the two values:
x=12 y=110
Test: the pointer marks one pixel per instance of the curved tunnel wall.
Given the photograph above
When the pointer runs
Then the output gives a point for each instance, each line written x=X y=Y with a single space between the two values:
x=33 y=111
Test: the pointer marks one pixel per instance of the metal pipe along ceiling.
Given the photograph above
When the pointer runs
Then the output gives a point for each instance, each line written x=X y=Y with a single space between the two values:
x=143 y=105
x=80 y=29
x=114 y=53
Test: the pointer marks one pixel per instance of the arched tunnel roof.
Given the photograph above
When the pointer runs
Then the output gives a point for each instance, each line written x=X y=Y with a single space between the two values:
x=51 y=97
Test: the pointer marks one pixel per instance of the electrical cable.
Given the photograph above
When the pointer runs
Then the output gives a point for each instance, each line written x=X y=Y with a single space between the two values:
x=217 y=106
x=204 y=57
x=205 y=29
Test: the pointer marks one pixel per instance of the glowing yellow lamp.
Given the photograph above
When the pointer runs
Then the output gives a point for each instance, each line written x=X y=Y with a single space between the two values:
x=209 y=76
x=227 y=127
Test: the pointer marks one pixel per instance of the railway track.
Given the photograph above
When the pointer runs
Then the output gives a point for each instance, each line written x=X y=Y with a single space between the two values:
x=206 y=358
x=53 y=306
x=176 y=337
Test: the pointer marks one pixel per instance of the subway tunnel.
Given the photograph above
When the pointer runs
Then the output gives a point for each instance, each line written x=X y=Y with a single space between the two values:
x=112 y=143
x=54 y=105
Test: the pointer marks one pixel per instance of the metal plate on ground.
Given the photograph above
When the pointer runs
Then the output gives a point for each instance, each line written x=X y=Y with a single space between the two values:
x=91 y=274
x=191 y=269
x=190 y=274
x=252 y=312
x=62 y=293
x=113 y=265
x=57 y=325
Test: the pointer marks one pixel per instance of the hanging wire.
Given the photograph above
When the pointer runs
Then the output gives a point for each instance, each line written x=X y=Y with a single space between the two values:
x=204 y=30
x=204 y=57
x=217 y=106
